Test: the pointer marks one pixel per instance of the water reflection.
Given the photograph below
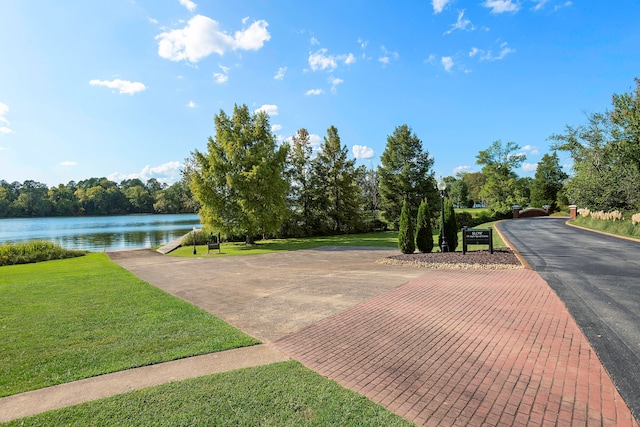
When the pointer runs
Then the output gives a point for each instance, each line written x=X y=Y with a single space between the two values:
x=100 y=233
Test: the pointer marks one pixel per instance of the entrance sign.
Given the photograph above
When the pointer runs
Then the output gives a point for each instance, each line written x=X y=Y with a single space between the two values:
x=477 y=236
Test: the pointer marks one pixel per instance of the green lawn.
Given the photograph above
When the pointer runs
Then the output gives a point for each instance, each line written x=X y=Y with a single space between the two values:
x=388 y=239
x=71 y=319
x=280 y=394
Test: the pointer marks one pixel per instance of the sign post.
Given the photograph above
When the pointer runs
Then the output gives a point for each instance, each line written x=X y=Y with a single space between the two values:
x=477 y=236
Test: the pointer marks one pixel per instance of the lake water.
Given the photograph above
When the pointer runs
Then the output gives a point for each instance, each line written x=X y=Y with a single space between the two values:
x=100 y=233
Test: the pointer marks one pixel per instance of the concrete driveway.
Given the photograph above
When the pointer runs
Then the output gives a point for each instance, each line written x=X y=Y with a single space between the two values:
x=270 y=296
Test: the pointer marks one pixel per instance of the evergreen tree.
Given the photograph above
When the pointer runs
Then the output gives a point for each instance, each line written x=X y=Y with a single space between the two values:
x=405 y=174
x=406 y=240
x=240 y=180
x=303 y=220
x=336 y=185
x=450 y=226
x=424 y=233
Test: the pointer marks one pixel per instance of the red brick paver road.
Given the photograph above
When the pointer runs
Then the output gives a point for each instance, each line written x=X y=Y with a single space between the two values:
x=466 y=348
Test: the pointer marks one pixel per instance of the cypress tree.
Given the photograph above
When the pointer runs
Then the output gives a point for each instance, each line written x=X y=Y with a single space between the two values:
x=424 y=234
x=406 y=241
x=450 y=226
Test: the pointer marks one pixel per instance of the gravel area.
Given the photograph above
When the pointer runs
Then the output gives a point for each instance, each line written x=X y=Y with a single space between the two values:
x=500 y=259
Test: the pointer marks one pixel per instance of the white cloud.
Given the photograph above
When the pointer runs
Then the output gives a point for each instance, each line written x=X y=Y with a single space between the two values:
x=192 y=104
x=314 y=41
x=501 y=6
x=362 y=152
x=534 y=150
x=462 y=168
x=4 y=148
x=489 y=56
x=4 y=109
x=168 y=173
x=439 y=5
x=221 y=78
x=447 y=63
x=68 y=163
x=202 y=36
x=276 y=128
x=280 y=74
x=539 y=4
x=529 y=167
x=387 y=55
x=270 y=109
x=123 y=86
x=350 y=59
x=319 y=60
x=191 y=6
x=461 y=24
x=314 y=92
x=363 y=43
x=334 y=83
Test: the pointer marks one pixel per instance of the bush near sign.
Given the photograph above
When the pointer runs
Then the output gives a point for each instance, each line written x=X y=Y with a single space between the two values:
x=477 y=236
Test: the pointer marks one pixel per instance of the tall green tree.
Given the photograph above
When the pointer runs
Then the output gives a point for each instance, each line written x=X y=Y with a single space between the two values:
x=336 y=185
x=625 y=121
x=547 y=182
x=450 y=226
x=424 y=233
x=304 y=213
x=474 y=182
x=406 y=239
x=602 y=178
x=405 y=174
x=240 y=181
x=501 y=188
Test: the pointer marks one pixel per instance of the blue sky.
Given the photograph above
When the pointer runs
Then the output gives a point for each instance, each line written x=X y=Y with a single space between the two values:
x=125 y=88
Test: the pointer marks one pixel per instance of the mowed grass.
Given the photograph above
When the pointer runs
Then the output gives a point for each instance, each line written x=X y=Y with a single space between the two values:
x=280 y=394
x=386 y=239
x=70 y=319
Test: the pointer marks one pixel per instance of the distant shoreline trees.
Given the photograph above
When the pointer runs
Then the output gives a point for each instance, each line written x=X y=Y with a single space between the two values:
x=93 y=197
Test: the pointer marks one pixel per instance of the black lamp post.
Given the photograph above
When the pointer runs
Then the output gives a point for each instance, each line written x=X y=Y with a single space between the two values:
x=194 y=241
x=442 y=186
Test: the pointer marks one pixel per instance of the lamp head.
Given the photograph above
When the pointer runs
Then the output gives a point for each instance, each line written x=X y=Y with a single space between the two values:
x=442 y=185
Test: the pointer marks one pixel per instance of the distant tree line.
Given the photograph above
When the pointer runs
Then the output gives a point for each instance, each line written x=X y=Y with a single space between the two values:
x=94 y=196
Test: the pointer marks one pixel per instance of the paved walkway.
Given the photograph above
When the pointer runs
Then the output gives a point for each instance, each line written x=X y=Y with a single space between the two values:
x=46 y=399
x=439 y=347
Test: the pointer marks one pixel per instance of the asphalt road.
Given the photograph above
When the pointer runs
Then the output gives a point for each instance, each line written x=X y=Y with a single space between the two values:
x=598 y=278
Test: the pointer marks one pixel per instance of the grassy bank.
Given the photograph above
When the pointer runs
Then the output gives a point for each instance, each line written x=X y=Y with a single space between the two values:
x=281 y=394
x=76 y=318
x=621 y=227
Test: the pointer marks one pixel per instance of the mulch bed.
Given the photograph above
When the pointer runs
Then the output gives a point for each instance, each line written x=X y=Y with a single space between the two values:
x=502 y=258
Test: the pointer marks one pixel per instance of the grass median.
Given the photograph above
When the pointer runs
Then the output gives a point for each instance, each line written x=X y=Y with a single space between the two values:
x=280 y=394
x=70 y=319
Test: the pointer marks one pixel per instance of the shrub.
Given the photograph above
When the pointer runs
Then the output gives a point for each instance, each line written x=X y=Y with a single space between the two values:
x=406 y=241
x=34 y=251
x=424 y=233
